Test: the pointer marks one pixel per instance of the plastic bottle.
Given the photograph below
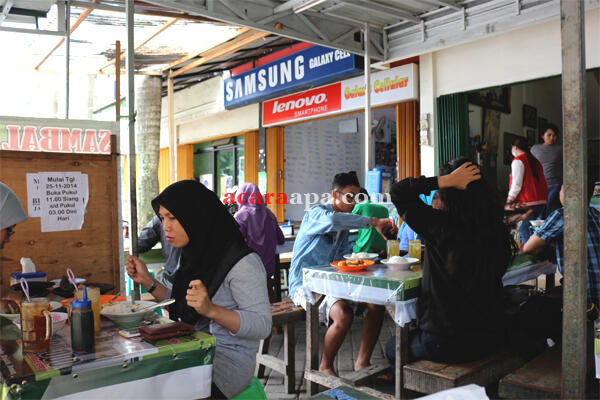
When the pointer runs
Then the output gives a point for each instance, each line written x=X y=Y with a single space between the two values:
x=82 y=325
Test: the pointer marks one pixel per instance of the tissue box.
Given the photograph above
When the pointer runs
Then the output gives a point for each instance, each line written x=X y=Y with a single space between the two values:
x=30 y=276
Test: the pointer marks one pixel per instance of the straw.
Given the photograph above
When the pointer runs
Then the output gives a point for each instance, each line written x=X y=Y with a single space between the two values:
x=25 y=287
x=71 y=276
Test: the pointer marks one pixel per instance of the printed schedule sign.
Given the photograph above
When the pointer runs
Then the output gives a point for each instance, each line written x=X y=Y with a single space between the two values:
x=59 y=198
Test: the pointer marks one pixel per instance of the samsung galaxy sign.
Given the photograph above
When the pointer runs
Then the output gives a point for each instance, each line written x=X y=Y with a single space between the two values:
x=313 y=66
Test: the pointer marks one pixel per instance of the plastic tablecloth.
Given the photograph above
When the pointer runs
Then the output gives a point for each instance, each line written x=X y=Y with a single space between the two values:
x=120 y=368
x=394 y=287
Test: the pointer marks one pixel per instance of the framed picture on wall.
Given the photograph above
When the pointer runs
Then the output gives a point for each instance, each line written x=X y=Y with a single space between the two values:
x=494 y=99
x=491 y=129
x=508 y=139
x=529 y=116
x=542 y=126
x=531 y=137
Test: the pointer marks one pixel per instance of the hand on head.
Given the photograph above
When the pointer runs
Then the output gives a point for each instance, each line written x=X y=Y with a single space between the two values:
x=460 y=177
x=197 y=298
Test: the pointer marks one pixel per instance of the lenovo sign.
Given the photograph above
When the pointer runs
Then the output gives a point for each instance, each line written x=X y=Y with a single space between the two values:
x=387 y=87
x=311 y=103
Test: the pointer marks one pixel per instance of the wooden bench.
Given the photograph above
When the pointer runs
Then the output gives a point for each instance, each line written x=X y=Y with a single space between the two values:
x=539 y=378
x=431 y=377
x=284 y=313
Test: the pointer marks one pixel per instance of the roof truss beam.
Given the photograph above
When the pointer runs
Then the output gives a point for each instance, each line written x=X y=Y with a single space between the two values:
x=281 y=20
x=381 y=9
x=5 y=10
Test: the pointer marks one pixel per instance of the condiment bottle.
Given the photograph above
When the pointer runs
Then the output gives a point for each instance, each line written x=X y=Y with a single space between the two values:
x=82 y=325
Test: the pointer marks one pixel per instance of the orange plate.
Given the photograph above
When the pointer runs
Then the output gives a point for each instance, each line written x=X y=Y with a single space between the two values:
x=104 y=298
x=341 y=265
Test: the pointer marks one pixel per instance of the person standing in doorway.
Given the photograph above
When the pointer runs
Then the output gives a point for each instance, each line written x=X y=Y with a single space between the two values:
x=527 y=184
x=549 y=154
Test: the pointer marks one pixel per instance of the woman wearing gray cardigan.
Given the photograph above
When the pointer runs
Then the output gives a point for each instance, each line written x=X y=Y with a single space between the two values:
x=220 y=284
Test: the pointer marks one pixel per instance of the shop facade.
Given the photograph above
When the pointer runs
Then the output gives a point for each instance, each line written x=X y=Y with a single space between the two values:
x=477 y=96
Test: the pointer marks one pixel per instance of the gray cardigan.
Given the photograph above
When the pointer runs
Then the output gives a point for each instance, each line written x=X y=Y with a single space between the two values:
x=244 y=290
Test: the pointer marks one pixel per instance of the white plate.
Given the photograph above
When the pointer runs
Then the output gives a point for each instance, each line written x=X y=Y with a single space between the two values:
x=370 y=256
x=55 y=305
x=537 y=222
x=405 y=264
x=122 y=315
x=57 y=281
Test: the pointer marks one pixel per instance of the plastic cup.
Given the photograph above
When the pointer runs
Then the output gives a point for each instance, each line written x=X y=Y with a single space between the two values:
x=36 y=325
x=393 y=248
x=93 y=293
x=414 y=249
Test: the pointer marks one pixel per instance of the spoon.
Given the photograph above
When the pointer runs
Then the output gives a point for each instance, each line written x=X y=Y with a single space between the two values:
x=110 y=302
x=152 y=307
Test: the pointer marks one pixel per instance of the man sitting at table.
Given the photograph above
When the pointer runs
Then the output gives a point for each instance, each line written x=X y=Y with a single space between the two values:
x=467 y=251
x=323 y=238
x=151 y=234
x=552 y=232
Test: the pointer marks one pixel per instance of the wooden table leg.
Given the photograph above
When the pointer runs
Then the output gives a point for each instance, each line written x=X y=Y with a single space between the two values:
x=312 y=345
x=277 y=277
x=401 y=359
x=550 y=281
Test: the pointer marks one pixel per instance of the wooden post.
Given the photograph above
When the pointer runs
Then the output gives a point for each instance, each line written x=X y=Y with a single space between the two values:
x=401 y=358
x=172 y=131
x=312 y=345
x=575 y=214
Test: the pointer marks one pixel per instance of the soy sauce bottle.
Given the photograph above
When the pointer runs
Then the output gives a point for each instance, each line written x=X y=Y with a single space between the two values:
x=82 y=325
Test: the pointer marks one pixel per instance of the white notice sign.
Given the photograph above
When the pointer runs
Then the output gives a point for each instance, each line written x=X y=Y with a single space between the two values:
x=33 y=195
x=63 y=198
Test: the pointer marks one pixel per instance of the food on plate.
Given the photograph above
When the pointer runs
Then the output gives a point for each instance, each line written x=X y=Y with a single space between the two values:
x=397 y=260
x=354 y=262
x=65 y=284
x=9 y=306
x=360 y=255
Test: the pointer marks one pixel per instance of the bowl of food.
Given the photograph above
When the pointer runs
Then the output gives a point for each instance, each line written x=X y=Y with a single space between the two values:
x=400 y=262
x=125 y=314
x=361 y=256
x=537 y=222
x=352 y=265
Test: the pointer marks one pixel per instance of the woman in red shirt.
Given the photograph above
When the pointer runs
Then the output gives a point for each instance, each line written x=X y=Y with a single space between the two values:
x=527 y=184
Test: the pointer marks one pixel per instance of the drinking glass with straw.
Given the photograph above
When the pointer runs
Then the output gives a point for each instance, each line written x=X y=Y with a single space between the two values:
x=36 y=321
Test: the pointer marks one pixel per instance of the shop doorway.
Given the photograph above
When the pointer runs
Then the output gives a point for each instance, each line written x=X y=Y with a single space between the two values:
x=219 y=164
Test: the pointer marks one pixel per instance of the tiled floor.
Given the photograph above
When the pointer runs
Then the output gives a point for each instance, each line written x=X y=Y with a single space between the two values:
x=344 y=362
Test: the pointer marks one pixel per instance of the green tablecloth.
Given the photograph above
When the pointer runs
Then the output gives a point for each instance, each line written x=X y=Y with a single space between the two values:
x=121 y=368
x=384 y=285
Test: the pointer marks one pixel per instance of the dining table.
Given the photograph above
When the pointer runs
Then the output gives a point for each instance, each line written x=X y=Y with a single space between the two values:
x=178 y=367
x=395 y=287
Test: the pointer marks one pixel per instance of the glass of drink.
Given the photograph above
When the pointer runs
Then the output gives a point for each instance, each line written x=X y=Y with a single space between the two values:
x=414 y=249
x=36 y=325
x=393 y=248
x=93 y=294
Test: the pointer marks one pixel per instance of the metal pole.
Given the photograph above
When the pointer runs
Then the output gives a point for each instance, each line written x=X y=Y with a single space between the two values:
x=368 y=146
x=575 y=211
x=67 y=54
x=129 y=12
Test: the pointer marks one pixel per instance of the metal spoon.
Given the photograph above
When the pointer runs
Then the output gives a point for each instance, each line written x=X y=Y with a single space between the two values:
x=152 y=307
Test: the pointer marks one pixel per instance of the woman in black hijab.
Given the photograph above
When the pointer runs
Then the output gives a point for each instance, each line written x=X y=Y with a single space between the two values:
x=219 y=286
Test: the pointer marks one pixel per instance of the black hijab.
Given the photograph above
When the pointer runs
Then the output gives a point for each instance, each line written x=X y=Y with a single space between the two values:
x=216 y=243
